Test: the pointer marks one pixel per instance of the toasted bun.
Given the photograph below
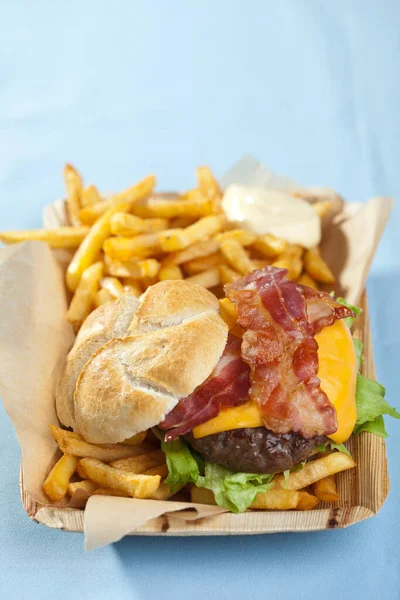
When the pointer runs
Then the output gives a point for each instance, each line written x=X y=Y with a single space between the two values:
x=126 y=378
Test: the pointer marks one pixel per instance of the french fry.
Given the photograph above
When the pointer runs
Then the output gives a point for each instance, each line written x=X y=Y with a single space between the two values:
x=112 y=285
x=63 y=237
x=236 y=256
x=243 y=236
x=207 y=279
x=322 y=208
x=89 y=196
x=132 y=286
x=141 y=190
x=260 y=263
x=209 y=187
x=170 y=272
x=163 y=492
x=315 y=470
x=106 y=453
x=84 y=485
x=148 y=282
x=91 y=245
x=317 y=268
x=199 y=250
x=140 y=464
x=172 y=240
x=181 y=222
x=276 y=500
x=136 y=440
x=269 y=245
x=227 y=275
x=128 y=225
x=140 y=246
x=307 y=501
x=56 y=482
x=194 y=204
x=73 y=184
x=198 y=265
x=291 y=262
x=325 y=489
x=305 y=279
x=102 y=296
x=83 y=299
x=228 y=312
x=161 y=470
x=137 y=486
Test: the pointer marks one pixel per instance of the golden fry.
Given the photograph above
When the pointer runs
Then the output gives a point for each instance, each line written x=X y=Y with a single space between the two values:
x=73 y=184
x=136 y=440
x=112 y=285
x=56 y=482
x=236 y=256
x=91 y=245
x=198 y=265
x=134 y=194
x=227 y=275
x=89 y=196
x=291 y=262
x=305 y=279
x=307 y=501
x=63 y=237
x=140 y=464
x=110 y=492
x=325 y=489
x=315 y=470
x=276 y=500
x=132 y=286
x=260 y=263
x=201 y=496
x=172 y=240
x=79 y=447
x=228 y=312
x=163 y=492
x=199 y=250
x=161 y=470
x=128 y=225
x=102 y=296
x=193 y=205
x=209 y=187
x=137 y=486
x=83 y=299
x=317 y=268
x=243 y=236
x=269 y=245
x=207 y=279
x=170 y=272
x=124 y=248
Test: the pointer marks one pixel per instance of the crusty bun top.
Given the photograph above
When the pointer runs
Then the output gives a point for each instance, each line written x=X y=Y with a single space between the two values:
x=133 y=360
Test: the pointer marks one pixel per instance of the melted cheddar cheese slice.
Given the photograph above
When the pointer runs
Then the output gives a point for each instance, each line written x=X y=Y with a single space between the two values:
x=338 y=375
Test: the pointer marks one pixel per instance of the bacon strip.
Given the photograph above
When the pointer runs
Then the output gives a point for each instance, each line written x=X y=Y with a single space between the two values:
x=281 y=319
x=227 y=386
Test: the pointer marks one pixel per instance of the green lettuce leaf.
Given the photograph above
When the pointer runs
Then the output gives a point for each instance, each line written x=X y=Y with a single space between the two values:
x=356 y=310
x=371 y=405
x=358 y=347
x=235 y=491
x=182 y=465
x=340 y=447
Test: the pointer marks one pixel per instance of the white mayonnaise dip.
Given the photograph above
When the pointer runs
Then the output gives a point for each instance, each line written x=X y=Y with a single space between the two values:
x=263 y=210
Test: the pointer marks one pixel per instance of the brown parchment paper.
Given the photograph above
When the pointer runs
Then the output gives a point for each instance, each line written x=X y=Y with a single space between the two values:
x=35 y=338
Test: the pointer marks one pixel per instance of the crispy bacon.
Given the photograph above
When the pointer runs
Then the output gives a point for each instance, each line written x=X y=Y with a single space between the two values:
x=281 y=318
x=227 y=386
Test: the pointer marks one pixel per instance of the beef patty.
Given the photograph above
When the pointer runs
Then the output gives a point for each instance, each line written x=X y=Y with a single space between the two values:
x=255 y=450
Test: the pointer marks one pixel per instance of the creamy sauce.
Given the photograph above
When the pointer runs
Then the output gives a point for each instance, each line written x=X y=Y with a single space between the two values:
x=270 y=211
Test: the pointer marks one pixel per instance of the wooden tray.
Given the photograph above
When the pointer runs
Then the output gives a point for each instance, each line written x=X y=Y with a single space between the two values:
x=362 y=490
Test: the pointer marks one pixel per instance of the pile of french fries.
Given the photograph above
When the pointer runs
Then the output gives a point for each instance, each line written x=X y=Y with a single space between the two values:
x=126 y=243
x=137 y=469
x=135 y=238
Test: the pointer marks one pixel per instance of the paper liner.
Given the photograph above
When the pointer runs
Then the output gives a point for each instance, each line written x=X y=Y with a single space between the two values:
x=35 y=338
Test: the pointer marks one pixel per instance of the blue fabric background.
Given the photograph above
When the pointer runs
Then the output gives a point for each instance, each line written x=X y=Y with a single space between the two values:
x=121 y=89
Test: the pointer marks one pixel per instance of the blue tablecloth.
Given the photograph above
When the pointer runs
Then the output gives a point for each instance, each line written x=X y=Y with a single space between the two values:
x=125 y=88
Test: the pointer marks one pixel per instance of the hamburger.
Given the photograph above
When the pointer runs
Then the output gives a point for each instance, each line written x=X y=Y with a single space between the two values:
x=254 y=401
